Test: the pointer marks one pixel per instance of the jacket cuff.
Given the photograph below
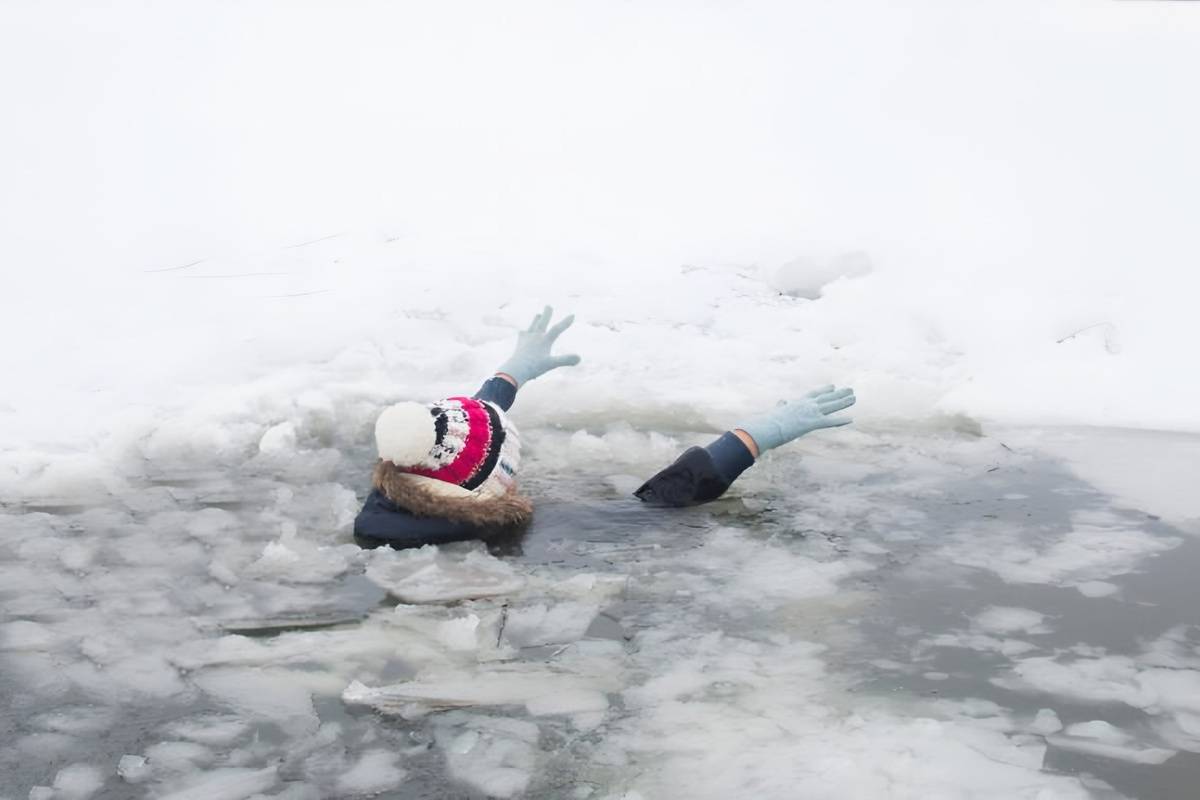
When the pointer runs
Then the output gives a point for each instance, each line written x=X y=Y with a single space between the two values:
x=498 y=391
x=730 y=456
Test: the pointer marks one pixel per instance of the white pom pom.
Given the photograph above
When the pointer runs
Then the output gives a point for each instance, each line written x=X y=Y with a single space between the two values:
x=404 y=434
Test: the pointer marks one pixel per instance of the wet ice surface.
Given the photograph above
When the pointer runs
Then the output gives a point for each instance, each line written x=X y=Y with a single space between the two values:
x=875 y=614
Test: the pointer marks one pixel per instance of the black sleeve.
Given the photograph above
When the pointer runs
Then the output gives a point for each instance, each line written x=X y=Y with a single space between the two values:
x=699 y=475
x=498 y=391
x=382 y=522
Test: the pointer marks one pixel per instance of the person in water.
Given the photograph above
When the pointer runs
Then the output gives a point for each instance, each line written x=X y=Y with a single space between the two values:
x=447 y=470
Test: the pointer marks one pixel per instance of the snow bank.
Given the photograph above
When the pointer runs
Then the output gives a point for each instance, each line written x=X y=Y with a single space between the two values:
x=862 y=195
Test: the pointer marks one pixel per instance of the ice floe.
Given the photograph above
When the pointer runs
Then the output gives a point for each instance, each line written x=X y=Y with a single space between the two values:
x=433 y=575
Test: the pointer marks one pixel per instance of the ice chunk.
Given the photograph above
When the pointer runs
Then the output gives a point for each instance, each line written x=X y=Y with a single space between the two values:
x=1174 y=689
x=235 y=783
x=982 y=642
x=177 y=757
x=460 y=633
x=495 y=756
x=271 y=695
x=77 y=557
x=1097 y=588
x=78 y=782
x=502 y=685
x=212 y=730
x=1105 y=679
x=762 y=574
x=1005 y=619
x=597 y=588
x=25 y=635
x=1109 y=679
x=435 y=633
x=1107 y=749
x=573 y=701
x=293 y=560
x=430 y=575
x=1098 y=729
x=538 y=624
x=1098 y=546
x=1046 y=722
x=1174 y=648
x=296 y=791
x=75 y=719
x=133 y=769
x=375 y=771
x=210 y=524
x=278 y=439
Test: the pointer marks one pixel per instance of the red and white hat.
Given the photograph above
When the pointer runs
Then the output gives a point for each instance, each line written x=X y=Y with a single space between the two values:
x=457 y=446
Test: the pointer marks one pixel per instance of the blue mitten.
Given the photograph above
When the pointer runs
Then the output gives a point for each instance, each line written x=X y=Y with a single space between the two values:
x=792 y=419
x=532 y=356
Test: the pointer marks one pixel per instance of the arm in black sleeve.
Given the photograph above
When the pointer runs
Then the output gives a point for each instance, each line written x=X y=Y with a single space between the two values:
x=699 y=475
x=499 y=391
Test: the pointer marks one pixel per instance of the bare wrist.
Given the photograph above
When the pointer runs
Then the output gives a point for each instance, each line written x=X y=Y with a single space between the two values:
x=747 y=440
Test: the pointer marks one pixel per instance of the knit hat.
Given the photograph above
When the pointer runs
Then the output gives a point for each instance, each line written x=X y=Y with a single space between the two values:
x=459 y=445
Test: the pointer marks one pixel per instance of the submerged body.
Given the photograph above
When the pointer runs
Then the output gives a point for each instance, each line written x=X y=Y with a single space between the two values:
x=447 y=471
x=391 y=517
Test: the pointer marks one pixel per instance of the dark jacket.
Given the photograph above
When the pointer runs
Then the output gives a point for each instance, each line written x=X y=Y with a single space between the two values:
x=699 y=475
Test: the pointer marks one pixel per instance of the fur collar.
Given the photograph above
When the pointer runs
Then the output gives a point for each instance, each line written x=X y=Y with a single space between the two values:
x=506 y=510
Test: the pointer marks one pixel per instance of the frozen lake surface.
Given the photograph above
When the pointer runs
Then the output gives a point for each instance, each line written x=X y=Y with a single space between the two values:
x=882 y=614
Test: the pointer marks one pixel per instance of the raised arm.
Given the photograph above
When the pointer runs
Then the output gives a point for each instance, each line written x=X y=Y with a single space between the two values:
x=704 y=473
x=529 y=360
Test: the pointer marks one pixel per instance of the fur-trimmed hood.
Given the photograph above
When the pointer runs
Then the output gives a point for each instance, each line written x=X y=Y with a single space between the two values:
x=426 y=497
